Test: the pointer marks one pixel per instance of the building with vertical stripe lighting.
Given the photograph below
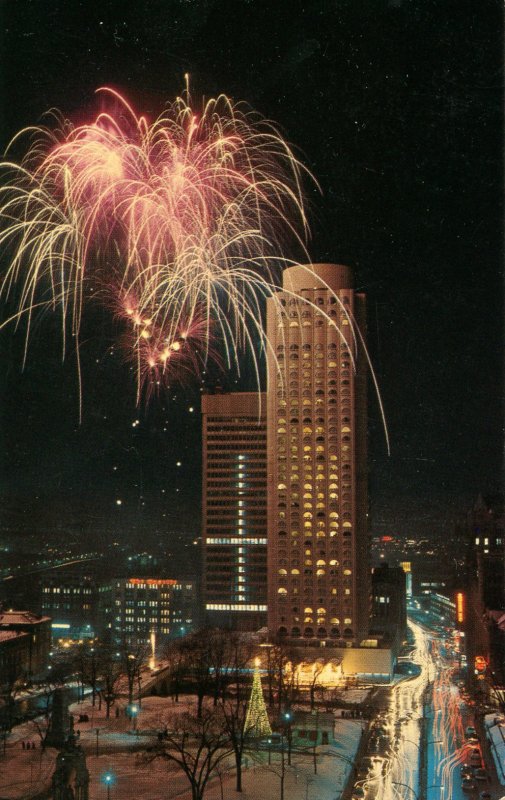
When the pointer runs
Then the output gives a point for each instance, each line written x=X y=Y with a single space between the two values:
x=234 y=534
x=318 y=544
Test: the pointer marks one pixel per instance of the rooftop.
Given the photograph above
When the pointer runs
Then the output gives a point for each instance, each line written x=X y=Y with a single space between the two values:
x=9 y=618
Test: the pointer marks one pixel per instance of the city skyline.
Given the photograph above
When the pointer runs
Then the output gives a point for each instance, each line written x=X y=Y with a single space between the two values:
x=430 y=265
x=252 y=434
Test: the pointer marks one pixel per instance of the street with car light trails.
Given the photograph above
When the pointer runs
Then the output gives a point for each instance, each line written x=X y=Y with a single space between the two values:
x=424 y=744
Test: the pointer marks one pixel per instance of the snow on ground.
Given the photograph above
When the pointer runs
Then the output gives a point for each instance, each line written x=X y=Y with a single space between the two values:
x=354 y=696
x=24 y=773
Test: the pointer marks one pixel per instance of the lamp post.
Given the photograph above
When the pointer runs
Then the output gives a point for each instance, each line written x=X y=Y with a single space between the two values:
x=269 y=750
x=134 y=710
x=288 y=716
x=108 y=778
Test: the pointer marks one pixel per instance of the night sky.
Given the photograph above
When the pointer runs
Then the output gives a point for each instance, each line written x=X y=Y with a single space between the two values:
x=396 y=107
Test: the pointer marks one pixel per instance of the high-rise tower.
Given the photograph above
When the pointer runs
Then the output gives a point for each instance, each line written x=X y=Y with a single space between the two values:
x=318 y=573
x=234 y=509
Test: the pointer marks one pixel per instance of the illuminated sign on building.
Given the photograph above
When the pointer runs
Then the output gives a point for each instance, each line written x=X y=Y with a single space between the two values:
x=460 y=607
x=480 y=664
x=152 y=581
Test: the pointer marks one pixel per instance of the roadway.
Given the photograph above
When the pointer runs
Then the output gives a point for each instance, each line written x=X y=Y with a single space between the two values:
x=418 y=745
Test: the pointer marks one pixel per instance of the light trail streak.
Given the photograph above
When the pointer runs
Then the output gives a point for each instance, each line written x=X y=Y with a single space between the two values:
x=180 y=223
x=179 y=226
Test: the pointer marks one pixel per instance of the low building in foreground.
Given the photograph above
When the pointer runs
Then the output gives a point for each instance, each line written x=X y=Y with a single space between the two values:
x=38 y=642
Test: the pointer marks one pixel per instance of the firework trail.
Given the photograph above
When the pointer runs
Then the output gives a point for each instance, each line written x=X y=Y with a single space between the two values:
x=180 y=223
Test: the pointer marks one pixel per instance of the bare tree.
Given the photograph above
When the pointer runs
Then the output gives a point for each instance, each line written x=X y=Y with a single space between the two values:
x=317 y=668
x=282 y=675
x=197 y=651
x=110 y=671
x=87 y=664
x=177 y=667
x=133 y=658
x=240 y=733
x=197 y=745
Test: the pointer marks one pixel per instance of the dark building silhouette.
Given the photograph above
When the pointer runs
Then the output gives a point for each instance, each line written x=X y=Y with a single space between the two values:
x=484 y=591
x=79 y=600
x=389 y=604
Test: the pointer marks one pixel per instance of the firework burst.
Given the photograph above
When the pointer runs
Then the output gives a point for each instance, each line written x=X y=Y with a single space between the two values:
x=180 y=223
x=182 y=219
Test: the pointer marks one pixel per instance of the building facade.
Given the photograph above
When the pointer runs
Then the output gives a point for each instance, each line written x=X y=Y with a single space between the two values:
x=164 y=607
x=79 y=602
x=38 y=645
x=389 y=604
x=234 y=529
x=14 y=657
x=318 y=544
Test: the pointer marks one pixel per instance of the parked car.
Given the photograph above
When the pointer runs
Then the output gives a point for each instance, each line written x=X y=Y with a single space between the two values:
x=358 y=793
x=480 y=774
x=468 y=785
x=485 y=795
x=470 y=731
x=475 y=760
x=466 y=771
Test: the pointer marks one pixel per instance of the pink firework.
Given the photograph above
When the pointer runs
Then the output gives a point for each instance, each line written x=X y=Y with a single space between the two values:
x=183 y=219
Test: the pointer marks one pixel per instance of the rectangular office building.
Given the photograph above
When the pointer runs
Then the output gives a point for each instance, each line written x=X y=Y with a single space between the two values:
x=234 y=530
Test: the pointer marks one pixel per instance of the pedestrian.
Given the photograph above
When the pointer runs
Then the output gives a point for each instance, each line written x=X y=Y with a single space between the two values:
x=23 y=745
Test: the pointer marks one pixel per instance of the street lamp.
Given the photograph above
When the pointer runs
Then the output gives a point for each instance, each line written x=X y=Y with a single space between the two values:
x=134 y=710
x=269 y=750
x=287 y=719
x=108 y=778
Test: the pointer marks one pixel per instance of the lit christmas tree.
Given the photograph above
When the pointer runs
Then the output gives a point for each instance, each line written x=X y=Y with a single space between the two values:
x=256 y=721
